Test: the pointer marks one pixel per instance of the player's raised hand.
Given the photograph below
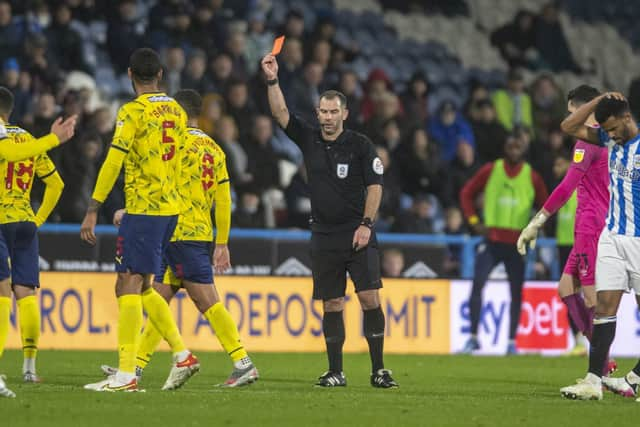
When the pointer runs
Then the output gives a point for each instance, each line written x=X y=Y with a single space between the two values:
x=615 y=95
x=88 y=227
x=221 y=259
x=64 y=130
x=270 y=66
x=117 y=217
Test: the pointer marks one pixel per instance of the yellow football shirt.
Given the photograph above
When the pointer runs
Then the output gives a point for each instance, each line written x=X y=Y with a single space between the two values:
x=17 y=179
x=203 y=171
x=149 y=140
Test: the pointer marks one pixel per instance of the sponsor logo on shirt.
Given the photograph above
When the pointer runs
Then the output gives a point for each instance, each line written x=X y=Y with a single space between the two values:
x=159 y=98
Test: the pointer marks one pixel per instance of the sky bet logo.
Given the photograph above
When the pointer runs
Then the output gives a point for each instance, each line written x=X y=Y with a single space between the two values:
x=543 y=320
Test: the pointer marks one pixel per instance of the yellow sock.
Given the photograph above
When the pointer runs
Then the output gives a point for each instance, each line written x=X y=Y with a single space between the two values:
x=226 y=331
x=160 y=315
x=129 y=324
x=5 y=320
x=29 y=319
x=149 y=341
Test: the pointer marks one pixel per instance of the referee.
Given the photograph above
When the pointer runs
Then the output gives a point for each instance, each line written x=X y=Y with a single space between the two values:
x=345 y=177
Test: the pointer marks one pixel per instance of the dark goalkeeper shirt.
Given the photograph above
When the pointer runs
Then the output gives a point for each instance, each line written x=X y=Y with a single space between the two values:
x=339 y=172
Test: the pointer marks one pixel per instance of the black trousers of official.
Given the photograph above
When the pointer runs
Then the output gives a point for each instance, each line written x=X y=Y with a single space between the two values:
x=488 y=256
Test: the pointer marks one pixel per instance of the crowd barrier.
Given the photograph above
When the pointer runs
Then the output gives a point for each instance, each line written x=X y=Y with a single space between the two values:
x=274 y=314
x=277 y=252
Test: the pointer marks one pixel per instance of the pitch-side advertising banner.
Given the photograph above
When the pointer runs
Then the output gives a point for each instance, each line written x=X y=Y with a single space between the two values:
x=79 y=311
x=543 y=326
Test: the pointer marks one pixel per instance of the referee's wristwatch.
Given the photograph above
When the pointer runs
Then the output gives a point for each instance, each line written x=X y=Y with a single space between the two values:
x=367 y=222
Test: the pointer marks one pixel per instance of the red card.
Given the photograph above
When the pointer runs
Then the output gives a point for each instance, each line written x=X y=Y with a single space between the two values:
x=277 y=45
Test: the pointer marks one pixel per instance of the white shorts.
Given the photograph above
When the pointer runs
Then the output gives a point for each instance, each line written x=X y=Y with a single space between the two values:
x=618 y=263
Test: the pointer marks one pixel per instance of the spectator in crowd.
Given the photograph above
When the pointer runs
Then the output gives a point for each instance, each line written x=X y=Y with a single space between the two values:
x=125 y=34
x=102 y=121
x=64 y=42
x=378 y=84
x=551 y=41
x=220 y=71
x=350 y=87
x=79 y=169
x=390 y=135
x=516 y=41
x=262 y=160
x=40 y=63
x=478 y=93
x=386 y=107
x=45 y=113
x=290 y=64
x=392 y=262
x=421 y=169
x=513 y=105
x=418 y=219
x=549 y=105
x=236 y=48
x=259 y=40
x=213 y=108
x=306 y=91
x=488 y=132
x=557 y=145
x=298 y=200
x=454 y=226
x=462 y=168
x=390 y=202
x=249 y=213
x=448 y=129
x=194 y=76
x=12 y=81
x=13 y=32
x=294 y=26
x=414 y=99
x=634 y=97
x=320 y=52
x=209 y=26
x=174 y=67
x=237 y=161
x=239 y=106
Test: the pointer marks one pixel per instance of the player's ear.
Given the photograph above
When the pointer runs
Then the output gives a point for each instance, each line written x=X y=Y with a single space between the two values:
x=160 y=75
x=129 y=73
x=318 y=112
x=345 y=114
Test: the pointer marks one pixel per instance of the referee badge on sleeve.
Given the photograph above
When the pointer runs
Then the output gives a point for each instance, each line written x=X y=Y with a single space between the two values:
x=342 y=170
x=377 y=166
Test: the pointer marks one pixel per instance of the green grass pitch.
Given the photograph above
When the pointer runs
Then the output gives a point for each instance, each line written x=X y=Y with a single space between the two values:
x=434 y=391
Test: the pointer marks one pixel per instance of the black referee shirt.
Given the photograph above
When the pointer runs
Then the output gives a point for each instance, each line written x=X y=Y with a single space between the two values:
x=339 y=172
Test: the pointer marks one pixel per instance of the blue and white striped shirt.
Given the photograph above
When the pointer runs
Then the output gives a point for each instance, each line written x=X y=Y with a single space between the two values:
x=624 y=186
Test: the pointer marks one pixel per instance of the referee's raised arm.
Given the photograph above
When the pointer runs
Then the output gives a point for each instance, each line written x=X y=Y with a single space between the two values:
x=277 y=103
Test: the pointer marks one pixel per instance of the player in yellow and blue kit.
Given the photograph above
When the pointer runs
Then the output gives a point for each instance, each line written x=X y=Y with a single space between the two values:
x=148 y=140
x=22 y=157
x=204 y=178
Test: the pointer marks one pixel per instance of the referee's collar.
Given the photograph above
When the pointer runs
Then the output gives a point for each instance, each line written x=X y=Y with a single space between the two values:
x=339 y=140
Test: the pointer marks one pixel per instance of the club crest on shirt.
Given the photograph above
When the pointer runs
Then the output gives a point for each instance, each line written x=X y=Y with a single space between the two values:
x=342 y=170
x=578 y=155
x=636 y=161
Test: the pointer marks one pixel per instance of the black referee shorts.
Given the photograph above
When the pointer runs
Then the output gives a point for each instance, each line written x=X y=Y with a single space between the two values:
x=332 y=256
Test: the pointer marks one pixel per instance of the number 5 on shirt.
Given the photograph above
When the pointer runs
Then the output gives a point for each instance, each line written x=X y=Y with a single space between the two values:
x=166 y=139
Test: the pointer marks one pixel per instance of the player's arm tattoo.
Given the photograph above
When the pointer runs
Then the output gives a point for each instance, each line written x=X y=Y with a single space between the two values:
x=94 y=205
